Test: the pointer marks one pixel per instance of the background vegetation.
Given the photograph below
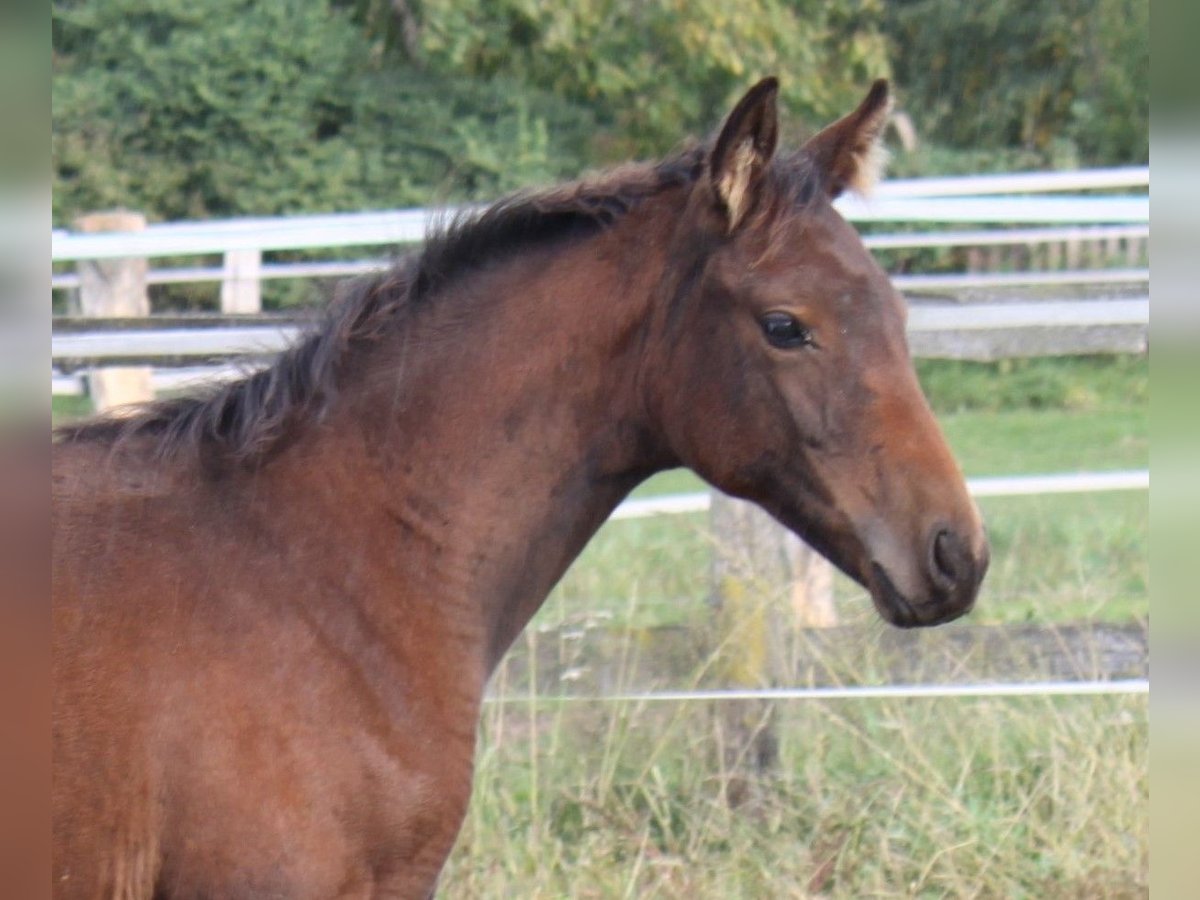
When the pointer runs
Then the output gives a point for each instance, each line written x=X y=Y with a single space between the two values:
x=1027 y=798
x=225 y=107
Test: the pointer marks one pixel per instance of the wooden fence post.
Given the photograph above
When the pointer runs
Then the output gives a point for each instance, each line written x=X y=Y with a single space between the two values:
x=766 y=583
x=114 y=288
x=241 y=286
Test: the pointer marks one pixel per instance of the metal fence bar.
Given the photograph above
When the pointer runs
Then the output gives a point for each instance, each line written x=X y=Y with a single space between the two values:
x=990 y=486
x=866 y=692
x=1070 y=483
x=337 y=269
x=184 y=377
x=959 y=281
x=193 y=275
x=1017 y=182
x=1009 y=210
x=925 y=319
x=667 y=504
x=411 y=226
x=996 y=237
x=258 y=339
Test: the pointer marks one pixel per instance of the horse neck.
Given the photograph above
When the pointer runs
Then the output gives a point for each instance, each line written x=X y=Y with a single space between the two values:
x=504 y=426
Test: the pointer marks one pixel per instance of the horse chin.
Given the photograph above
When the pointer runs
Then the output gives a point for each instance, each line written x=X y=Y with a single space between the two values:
x=907 y=612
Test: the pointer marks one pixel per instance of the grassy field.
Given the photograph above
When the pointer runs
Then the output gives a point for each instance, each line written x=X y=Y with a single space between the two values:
x=1021 y=798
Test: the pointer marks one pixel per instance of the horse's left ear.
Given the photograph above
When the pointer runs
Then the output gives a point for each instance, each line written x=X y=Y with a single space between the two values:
x=743 y=151
x=849 y=153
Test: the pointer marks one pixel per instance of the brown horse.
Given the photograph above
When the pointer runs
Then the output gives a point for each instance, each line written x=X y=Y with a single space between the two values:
x=277 y=606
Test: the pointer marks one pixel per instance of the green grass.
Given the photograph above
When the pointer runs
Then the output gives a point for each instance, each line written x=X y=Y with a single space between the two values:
x=1079 y=384
x=66 y=408
x=1020 y=798
x=1031 y=441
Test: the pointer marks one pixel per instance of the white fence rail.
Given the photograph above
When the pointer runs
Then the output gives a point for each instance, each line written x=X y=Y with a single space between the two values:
x=994 y=486
x=1016 y=206
x=866 y=692
x=266 y=339
x=972 y=199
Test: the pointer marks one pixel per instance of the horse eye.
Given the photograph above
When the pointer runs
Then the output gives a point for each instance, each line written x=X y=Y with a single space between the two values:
x=785 y=331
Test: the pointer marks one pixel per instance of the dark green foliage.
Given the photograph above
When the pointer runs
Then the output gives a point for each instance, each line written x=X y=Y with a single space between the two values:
x=653 y=70
x=229 y=107
x=1081 y=383
x=1023 y=83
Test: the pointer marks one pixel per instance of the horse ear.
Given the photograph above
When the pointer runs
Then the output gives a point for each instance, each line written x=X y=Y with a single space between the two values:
x=743 y=151
x=849 y=153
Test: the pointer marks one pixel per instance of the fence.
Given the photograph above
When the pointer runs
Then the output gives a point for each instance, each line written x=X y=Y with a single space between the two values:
x=868 y=692
x=980 y=330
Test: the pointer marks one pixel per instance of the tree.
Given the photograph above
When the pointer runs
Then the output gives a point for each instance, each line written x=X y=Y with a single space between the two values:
x=1065 y=83
x=651 y=71
x=188 y=110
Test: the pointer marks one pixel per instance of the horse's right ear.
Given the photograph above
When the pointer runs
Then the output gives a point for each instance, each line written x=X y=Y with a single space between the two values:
x=848 y=153
x=743 y=151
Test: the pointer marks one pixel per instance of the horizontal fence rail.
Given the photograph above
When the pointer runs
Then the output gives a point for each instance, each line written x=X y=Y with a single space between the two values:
x=1005 y=236
x=954 y=282
x=1049 y=314
x=971 y=199
x=247 y=340
x=992 y=486
x=411 y=226
x=866 y=692
x=1009 y=210
x=1017 y=183
x=264 y=339
x=271 y=271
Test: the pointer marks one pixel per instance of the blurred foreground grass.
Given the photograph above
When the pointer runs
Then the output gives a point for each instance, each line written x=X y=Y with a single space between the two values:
x=1014 y=798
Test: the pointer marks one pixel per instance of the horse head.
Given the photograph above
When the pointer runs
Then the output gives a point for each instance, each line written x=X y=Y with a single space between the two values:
x=782 y=369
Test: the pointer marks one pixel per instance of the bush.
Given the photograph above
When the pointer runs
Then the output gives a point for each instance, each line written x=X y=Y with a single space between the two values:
x=1058 y=85
x=186 y=110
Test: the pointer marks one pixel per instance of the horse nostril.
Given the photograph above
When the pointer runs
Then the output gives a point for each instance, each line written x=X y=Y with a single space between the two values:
x=951 y=561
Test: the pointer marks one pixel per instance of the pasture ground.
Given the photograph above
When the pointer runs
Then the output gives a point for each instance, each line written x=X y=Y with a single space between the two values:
x=1014 y=798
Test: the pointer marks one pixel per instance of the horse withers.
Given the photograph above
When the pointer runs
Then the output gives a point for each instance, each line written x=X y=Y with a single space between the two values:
x=277 y=605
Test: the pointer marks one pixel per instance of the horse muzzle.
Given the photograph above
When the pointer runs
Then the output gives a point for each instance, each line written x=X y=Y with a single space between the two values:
x=936 y=585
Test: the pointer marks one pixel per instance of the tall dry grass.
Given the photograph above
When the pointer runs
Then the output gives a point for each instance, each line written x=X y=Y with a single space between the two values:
x=1021 y=797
